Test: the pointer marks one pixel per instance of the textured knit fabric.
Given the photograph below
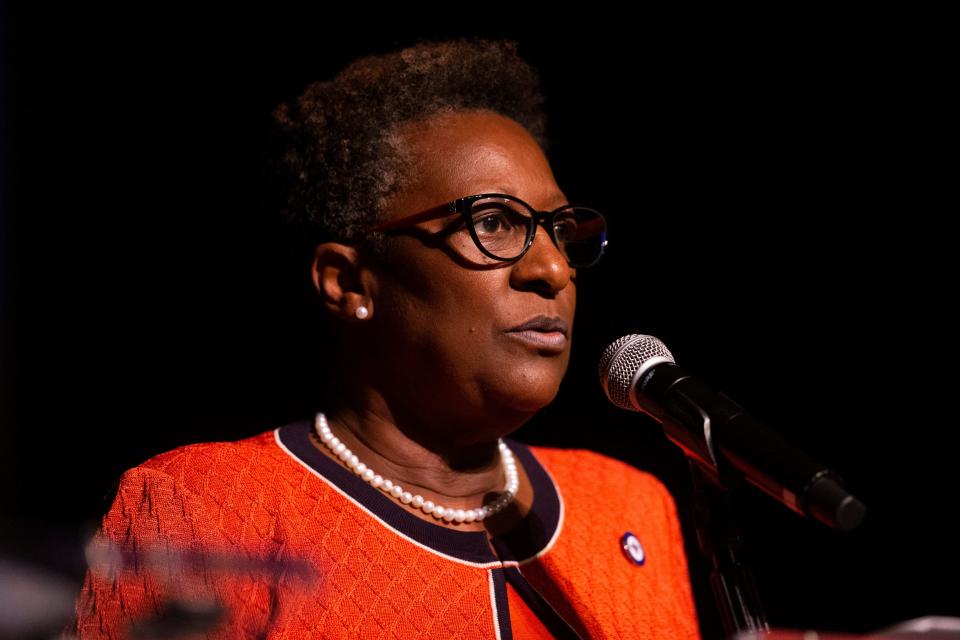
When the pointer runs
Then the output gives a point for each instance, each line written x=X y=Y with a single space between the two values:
x=292 y=545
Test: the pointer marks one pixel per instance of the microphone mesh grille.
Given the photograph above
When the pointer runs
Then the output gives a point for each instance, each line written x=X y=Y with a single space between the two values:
x=621 y=361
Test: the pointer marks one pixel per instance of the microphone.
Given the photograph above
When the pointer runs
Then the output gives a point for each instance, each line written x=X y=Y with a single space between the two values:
x=638 y=373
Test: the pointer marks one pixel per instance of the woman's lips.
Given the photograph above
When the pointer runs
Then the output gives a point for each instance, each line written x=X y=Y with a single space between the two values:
x=553 y=341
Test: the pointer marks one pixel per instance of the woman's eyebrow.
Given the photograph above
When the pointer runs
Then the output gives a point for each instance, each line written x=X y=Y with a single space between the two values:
x=558 y=200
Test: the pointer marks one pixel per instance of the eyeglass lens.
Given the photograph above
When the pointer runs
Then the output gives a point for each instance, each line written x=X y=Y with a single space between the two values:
x=502 y=227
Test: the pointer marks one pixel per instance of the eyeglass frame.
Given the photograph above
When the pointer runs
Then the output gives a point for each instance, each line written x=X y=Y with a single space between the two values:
x=463 y=206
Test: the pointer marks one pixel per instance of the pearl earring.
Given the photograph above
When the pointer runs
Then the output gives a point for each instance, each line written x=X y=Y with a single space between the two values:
x=362 y=312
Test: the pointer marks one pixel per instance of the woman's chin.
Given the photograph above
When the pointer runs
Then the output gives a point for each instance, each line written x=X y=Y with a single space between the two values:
x=527 y=397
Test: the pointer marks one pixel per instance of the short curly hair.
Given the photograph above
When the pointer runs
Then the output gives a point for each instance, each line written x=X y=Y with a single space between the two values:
x=337 y=155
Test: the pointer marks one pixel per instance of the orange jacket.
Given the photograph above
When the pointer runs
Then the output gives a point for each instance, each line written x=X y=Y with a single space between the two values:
x=292 y=545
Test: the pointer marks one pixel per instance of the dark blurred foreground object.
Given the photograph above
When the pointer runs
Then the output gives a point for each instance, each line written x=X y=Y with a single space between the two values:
x=927 y=628
x=34 y=602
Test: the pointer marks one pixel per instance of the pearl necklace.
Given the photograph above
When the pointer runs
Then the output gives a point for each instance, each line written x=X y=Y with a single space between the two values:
x=417 y=501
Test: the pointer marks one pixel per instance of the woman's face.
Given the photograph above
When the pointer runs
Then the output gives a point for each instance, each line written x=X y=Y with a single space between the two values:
x=446 y=330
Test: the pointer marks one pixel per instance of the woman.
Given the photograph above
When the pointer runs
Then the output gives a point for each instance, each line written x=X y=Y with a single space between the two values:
x=401 y=510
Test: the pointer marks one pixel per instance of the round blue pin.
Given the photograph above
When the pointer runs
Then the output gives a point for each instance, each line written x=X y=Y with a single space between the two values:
x=633 y=549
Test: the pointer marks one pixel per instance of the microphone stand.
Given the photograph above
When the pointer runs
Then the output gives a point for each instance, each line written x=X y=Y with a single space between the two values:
x=720 y=541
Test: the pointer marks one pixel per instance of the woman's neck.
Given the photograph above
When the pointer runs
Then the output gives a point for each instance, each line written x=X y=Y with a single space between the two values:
x=463 y=477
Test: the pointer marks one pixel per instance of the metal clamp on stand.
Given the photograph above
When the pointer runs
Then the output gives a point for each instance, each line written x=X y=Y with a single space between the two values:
x=719 y=539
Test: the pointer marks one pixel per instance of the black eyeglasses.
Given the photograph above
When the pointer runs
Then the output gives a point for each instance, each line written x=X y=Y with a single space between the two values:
x=503 y=228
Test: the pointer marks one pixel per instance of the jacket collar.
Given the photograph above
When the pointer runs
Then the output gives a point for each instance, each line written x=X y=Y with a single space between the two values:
x=531 y=537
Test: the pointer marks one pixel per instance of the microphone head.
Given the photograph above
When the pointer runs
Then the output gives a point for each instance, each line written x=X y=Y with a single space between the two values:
x=623 y=363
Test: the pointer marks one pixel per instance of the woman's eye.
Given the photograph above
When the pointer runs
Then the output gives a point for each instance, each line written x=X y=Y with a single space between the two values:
x=490 y=223
x=565 y=230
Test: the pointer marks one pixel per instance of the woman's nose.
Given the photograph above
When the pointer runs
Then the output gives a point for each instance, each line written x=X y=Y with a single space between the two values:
x=543 y=267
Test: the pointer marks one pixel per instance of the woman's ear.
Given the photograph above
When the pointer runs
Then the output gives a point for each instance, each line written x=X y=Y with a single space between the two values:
x=341 y=281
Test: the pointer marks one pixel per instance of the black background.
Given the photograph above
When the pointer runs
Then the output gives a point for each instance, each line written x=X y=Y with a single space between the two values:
x=776 y=185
